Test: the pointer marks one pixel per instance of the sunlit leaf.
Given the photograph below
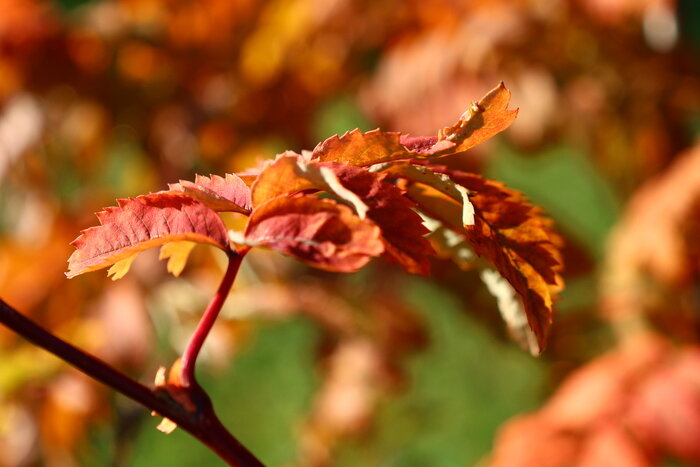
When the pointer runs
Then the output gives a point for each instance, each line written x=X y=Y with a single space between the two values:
x=512 y=234
x=370 y=196
x=481 y=121
x=290 y=173
x=176 y=253
x=137 y=224
x=120 y=268
x=519 y=241
x=358 y=148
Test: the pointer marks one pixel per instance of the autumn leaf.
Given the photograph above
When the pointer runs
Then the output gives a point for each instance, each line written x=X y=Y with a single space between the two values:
x=176 y=253
x=483 y=119
x=358 y=148
x=319 y=232
x=137 y=224
x=290 y=173
x=440 y=181
x=401 y=226
x=519 y=241
x=514 y=236
x=449 y=244
x=229 y=193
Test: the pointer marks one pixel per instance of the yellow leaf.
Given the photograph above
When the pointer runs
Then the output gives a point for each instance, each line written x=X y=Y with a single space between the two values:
x=120 y=268
x=176 y=253
x=166 y=426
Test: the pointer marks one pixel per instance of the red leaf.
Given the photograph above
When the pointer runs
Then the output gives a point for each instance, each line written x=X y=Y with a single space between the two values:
x=219 y=193
x=141 y=223
x=427 y=146
x=401 y=227
x=319 y=232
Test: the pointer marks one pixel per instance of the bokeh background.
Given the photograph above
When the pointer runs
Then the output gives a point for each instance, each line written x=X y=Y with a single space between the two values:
x=113 y=98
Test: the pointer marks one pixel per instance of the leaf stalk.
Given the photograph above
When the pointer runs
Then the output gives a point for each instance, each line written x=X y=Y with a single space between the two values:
x=206 y=323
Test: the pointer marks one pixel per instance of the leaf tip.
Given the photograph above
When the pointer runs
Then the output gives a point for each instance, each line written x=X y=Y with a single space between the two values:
x=120 y=268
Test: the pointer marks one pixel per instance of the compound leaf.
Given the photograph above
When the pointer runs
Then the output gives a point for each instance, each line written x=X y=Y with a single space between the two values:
x=137 y=224
x=514 y=236
x=519 y=241
x=319 y=232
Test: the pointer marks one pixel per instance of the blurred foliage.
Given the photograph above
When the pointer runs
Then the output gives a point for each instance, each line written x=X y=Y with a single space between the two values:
x=110 y=98
x=441 y=419
x=558 y=179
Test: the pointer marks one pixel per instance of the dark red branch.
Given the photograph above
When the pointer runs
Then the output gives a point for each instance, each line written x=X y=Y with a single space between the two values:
x=203 y=423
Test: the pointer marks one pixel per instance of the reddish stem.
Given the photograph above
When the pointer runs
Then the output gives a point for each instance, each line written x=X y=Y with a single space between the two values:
x=189 y=357
x=203 y=423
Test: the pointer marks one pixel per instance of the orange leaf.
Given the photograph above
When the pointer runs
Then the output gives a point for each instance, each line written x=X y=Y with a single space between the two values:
x=481 y=121
x=358 y=148
x=519 y=241
x=515 y=237
x=290 y=173
x=141 y=223
x=219 y=193
x=319 y=232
